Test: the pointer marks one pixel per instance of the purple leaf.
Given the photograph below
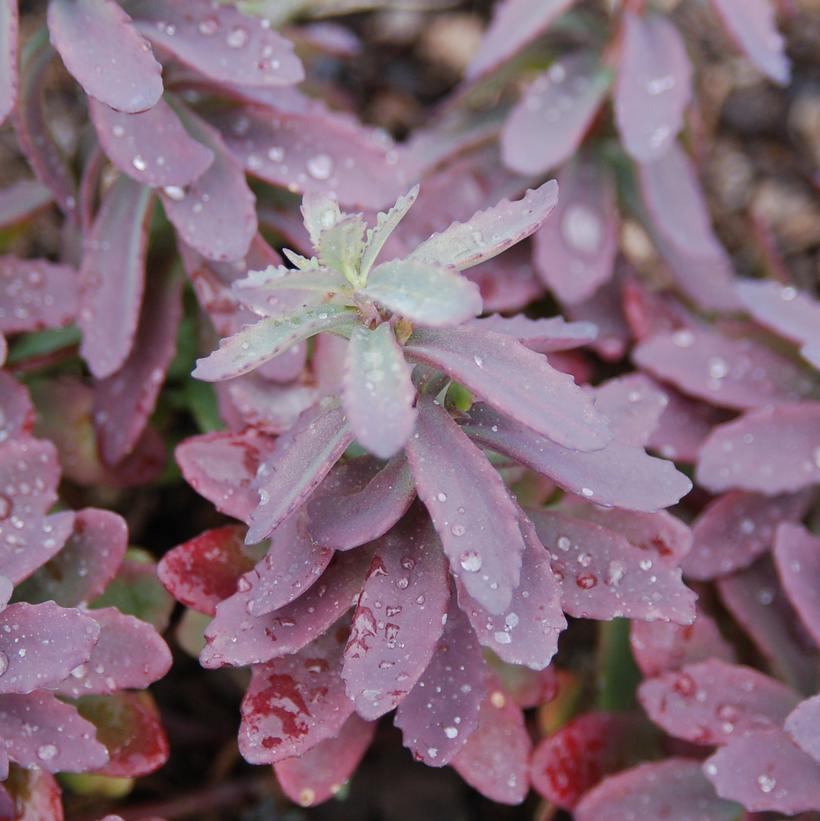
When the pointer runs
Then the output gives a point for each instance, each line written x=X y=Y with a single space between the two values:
x=113 y=276
x=619 y=475
x=219 y=42
x=770 y=451
x=104 y=53
x=766 y=771
x=17 y=414
x=790 y=313
x=604 y=309
x=299 y=461
x=527 y=632
x=269 y=407
x=574 y=251
x=258 y=343
x=441 y=711
x=495 y=759
x=735 y=529
x=36 y=294
x=803 y=725
x=516 y=381
x=359 y=502
x=797 y=557
x=654 y=85
x=550 y=121
x=235 y=637
x=57 y=638
x=470 y=507
x=109 y=668
x=751 y=25
x=378 y=392
x=398 y=618
x=22 y=199
x=487 y=233
x=731 y=373
x=222 y=467
x=675 y=788
x=507 y=282
x=318 y=774
x=540 y=335
x=634 y=404
x=152 y=147
x=659 y=647
x=713 y=702
x=40 y=731
x=9 y=25
x=603 y=576
x=124 y=400
x=294 y=703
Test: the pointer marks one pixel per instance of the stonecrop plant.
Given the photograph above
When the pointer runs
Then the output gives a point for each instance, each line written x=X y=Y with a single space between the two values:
x=413 y=454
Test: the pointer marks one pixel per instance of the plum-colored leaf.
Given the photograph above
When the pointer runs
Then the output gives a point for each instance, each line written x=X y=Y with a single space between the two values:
x=9 y=25
x=515 y=24
x=129 y=726
x=124 y=400
x=152 y=147
x=487 y=233
x=378 y=392
x=235 y=637
x=712 y=702
x=86 y=563
x=267 y=406
x=770 y=451
x=113 y=276
x=222 y=467
x=516 y=381
x=40 y=731
x=757 y=603
x=797 y=557
x=41 y=643
x=109 y=669
x=16 y=411
x=803 y=725
x=574 y=251
x=604 y=309
x=654 y=85
x=541 y=335
x=751 y=25
x=258 y=343
x=36 y=294
x=22 y=199
x=300 y=459
x=634 y=404
x=658 y=647
x=527 y=632
x=470 y=507
x=293 y=703
x=219 y=42
x=359 y=502
x=582 y=753
x=441 y=712
x=603 y=576
x=507 y=282
x=735 y=529
x=495 y=759
x=617 y=476
x=550 y=121
x=790 y=313
x=766 y=770
x=318 y=774
x=203 y=571
x=731 y=373
x=105 y=54
x=398 y=618
x=675 y=788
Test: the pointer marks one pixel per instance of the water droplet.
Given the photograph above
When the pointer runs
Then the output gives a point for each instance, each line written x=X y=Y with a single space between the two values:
x=587 y=491
x=498 y=699
x=645 y=564
x=320 y=167
x=718 y=368
x=766 y=783
x=660 y=84
x=501 y=637
x=458 y=530
x=586 y=581
x=174 y=192
x=139 y=163
x=442 y=497
x=237 y=37
x=276 y=154
x=451 y=732
x=46 y=752
x=582 y=228
x=564 y=543
x=683 y=338
x=478 y=360
x=306 y=797
x=470 y=561
x=209 y=26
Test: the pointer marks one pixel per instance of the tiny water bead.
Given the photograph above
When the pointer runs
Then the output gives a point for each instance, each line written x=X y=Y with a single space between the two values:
x=46 y=752
x=766 y=783
x=320 y=167
x=470 y=561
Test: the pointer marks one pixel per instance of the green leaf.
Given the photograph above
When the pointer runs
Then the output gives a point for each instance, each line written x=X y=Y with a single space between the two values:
x=341 y=246
x=618 y=675
x=42 y=343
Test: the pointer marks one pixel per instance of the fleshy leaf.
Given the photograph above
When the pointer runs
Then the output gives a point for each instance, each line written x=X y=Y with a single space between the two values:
x=9 y=26
x=540 y=335
x=487 y=233
x=770 y=451
x=470 y=507
x=378 y=392
x=386 y=223
x=550 y=121
x=113 y=276
x=634 y=404
x=803 y=725
x=16 y=411
x=574 y=251
x=516 y=381
x=654 y=85
x=604 y=309
x=603 y=576
x=293 y=703
x=105 y=54
x=36 y=294
x=441 y=711
x=797 y=557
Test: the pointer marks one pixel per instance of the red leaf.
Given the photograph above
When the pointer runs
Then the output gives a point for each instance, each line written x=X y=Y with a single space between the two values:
x=803 y=725
x=36 y=294
x=797 y=556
